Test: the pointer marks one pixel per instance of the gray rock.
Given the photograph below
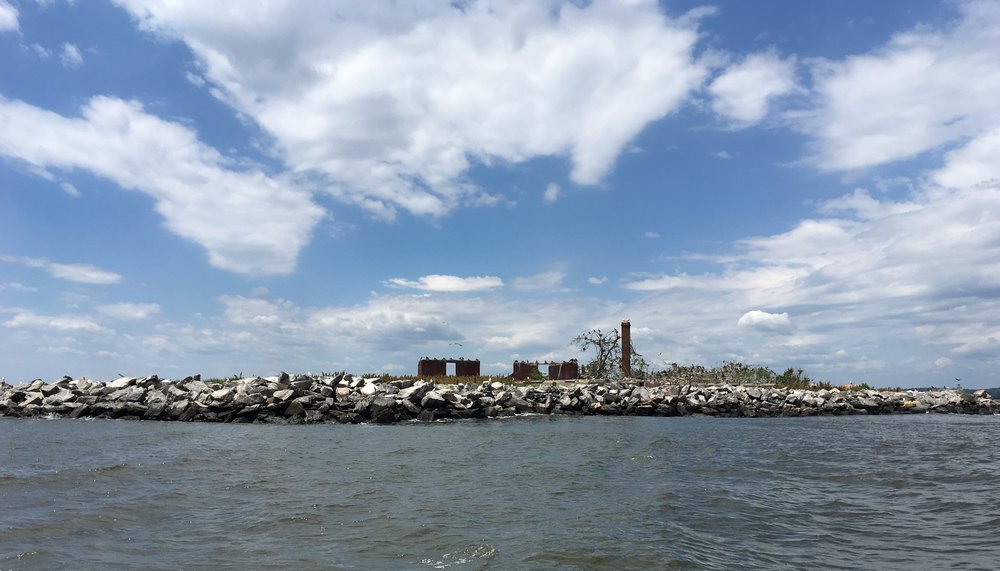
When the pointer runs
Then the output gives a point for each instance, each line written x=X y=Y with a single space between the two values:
x=122 y=383
x=59 y=397
x=154 y=410
x=178 y=407
x=433 y=400
x=130 y=394
x=49 y=390
x=304 y=384
x=223 y=394
x=415 y=392
x=195 y=386
x=295 y=408
x=283 y=395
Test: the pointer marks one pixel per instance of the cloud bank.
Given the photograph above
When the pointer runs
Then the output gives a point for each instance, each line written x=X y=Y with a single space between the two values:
x=390 y=105
x=248 y=221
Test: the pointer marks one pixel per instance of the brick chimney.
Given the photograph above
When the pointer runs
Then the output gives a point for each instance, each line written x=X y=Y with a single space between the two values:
x=626 y=349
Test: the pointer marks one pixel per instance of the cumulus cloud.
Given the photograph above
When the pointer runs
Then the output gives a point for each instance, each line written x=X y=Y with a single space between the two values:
x=974 y=163
x=543 y=281
x=552 y=192
x=390 y=105
x=254 y=334
x=497 y=325
x=874 y=276
x=8 y=17
x=764 y=321
x=651 y=235
x=923 y=89
x=742 y=92
x=80 y=273
x=64 y=323
x=132 y=311
x=248 y=221
x=70 y=55
x=983 y=348
x=256 y=311
x=597 y=280
x=444 y=283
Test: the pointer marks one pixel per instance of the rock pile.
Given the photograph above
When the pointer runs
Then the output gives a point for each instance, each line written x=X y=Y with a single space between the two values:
x=350 y=399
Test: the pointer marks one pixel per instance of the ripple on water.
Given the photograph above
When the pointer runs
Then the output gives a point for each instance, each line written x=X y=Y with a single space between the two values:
x=471 y=557
x=525 y=493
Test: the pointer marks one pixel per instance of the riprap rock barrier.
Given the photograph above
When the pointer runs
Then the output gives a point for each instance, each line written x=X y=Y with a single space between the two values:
x=345 y=398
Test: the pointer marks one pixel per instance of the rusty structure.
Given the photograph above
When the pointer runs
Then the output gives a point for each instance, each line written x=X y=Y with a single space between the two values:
x=524 y=370
x=626 y=349
x=557 y=370
x=428 y=367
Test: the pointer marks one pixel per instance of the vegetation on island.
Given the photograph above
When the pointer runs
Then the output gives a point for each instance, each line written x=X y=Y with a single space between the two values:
x=604 y=349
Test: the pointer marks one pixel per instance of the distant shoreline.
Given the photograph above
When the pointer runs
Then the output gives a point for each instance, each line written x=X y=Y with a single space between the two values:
x=345 y=398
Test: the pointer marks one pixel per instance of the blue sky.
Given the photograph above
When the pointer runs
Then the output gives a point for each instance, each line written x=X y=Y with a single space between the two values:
x=224 y=187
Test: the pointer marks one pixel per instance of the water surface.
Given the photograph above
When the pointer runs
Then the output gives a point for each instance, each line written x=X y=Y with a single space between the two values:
x=898 y=492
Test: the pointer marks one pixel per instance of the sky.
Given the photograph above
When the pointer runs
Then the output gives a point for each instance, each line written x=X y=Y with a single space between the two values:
x=246 y=188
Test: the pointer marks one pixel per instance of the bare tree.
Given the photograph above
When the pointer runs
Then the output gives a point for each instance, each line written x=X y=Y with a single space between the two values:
x=608 y=355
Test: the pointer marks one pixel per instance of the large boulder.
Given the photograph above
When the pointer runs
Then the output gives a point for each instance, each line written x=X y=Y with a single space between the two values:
x=415 y=392
x=433 y=400
x=383 y=410
x=122 y=383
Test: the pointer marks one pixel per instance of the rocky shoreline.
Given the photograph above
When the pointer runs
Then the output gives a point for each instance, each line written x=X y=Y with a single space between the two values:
x=345 y=398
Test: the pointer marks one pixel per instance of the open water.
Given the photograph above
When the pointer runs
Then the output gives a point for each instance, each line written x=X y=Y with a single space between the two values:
x=901 y=492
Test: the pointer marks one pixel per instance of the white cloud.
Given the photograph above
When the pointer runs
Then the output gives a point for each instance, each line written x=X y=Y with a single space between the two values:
x=543 y=281
x=551 y=193
x=444 y=283
x=59 y=350
x=17 y=286
x=923 y=89
x=900 y=278
x=39 y=50
x=28 y=319
x=248 y=221
x=80 y=273
x=8 y=17
x=396 y=328
x=741 y=94
x=652 y=235
x=764 y=321
x=973 y=164
x=158 y=343
x=194 y=79
x=71 y=56
x=597 y=280
x=723 y=154
x=391 y=104
x=129 y=310
x=69 y=189
x=981 y=347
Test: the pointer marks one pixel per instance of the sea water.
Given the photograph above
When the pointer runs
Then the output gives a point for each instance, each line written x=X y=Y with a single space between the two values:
x=535 y=492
